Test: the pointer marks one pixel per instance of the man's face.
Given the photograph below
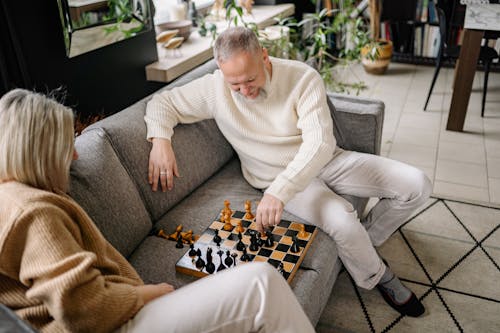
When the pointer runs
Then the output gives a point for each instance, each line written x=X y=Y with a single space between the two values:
x=245 y=72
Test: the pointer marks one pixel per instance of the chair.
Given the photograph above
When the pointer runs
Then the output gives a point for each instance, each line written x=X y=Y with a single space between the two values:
x=486 y=56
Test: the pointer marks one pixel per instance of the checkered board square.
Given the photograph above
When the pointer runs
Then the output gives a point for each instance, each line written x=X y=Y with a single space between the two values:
x=280 y=252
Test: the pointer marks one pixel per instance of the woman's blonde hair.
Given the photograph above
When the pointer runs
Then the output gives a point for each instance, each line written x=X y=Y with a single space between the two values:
x=36 y=140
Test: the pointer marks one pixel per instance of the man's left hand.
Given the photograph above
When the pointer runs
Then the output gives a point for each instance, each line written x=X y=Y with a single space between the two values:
x=269 y=212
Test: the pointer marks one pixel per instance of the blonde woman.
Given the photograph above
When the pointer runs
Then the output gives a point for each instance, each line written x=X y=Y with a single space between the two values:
x=59 y=273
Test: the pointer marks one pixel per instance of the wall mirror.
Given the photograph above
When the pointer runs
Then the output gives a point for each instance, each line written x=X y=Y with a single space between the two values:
x=91 y=24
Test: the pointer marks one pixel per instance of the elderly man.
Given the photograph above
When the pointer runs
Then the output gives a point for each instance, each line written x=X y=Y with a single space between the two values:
x=275 y=115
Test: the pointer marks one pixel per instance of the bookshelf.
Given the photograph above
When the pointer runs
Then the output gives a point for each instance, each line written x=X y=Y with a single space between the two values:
x=406 y=20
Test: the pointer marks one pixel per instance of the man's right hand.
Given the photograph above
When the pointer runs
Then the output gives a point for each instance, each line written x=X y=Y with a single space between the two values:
x=162 y=165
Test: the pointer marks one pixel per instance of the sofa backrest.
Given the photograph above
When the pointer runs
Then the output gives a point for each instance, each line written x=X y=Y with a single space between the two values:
x=200 y=150
x=105 y=190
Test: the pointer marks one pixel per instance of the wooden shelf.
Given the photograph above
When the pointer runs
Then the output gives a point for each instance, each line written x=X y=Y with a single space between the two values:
x=197 y=50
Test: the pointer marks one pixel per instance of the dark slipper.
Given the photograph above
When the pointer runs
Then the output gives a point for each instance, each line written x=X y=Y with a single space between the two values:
x=412 y=307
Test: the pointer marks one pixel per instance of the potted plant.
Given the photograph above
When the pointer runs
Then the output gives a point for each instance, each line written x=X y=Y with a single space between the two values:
x=376 y=53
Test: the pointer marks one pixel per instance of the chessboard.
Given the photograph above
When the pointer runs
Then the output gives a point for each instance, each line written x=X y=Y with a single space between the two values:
x=284 y=246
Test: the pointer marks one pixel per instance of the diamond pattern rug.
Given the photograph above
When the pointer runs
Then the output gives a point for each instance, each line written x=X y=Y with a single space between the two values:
x=448 y=253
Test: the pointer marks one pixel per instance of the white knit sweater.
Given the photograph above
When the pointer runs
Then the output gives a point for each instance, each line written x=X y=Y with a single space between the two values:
x=283 y=139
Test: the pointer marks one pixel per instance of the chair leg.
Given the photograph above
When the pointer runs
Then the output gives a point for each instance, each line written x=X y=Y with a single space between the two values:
x=436 y=73
x=485 y=85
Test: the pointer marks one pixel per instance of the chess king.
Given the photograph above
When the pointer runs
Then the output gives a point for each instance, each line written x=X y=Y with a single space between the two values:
x=274 y=113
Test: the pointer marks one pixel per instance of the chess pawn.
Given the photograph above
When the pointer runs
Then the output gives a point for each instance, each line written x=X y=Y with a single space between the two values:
x=187 y=236
x=228 y=261
x=248 y=210
x=179 y=244
x=176 y=234
x=217 y=238
x=192 y=251
x=239 y=227
x=240 y=245
x=269 y=240
x=302 y=231
x=221 y=265
x=295 y=248
x=162 y=234
x=245 y=256
x=227 y=222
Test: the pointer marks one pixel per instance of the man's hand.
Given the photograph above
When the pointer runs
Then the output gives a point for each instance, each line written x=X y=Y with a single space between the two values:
x=162 y=165
x=149 y=292
x=269 y=212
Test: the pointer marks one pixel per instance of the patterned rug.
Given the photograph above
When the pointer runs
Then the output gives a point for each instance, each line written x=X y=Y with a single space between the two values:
x=448 y=254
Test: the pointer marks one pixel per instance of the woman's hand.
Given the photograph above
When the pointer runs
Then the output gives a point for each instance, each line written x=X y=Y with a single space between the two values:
x=149 y=292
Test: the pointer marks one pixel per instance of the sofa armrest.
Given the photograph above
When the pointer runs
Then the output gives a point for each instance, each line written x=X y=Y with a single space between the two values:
x=357 y=122
x=11 y=323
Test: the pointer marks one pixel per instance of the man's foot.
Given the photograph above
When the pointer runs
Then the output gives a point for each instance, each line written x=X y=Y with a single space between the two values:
x=399 y=297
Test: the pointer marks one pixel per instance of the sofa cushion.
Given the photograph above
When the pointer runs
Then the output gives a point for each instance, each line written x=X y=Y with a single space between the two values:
x=200 y=151
x=101 y=185
x=363 y=134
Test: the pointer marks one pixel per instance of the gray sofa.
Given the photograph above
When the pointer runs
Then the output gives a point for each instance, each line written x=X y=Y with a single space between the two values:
x=110 y=181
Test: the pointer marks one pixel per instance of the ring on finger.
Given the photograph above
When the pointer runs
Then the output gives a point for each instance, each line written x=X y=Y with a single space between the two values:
x=163 y=172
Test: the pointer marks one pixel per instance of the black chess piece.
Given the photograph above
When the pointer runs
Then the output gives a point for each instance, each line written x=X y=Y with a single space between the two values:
x=254 y=246
x=240 y=245
x=200 y=263
x=295 y=248
x=260 y=241
x=245 y=256
x=192 y=251
x=210 y=268
x=270 y=240
x=217 y=238
x=281 y=268
x=221 y=266
x=179 y=244
x=234 y=255
x=228 y=261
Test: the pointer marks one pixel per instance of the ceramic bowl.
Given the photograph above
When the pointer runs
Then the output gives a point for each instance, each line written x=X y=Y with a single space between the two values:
x=183 y=26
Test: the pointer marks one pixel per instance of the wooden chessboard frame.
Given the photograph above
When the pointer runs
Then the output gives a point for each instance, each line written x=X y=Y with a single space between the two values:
x=282 y=234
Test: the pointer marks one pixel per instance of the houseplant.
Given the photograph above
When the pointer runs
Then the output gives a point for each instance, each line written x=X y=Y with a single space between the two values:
x=376 y=53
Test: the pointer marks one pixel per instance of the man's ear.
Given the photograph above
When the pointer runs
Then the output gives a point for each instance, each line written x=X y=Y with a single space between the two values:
x=265 y=55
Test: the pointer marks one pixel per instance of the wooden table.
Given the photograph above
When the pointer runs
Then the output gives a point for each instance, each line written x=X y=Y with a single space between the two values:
x=465 y=68
x=197 y=50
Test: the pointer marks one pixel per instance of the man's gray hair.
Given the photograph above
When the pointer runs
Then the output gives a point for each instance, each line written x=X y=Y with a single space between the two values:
x=235 y=40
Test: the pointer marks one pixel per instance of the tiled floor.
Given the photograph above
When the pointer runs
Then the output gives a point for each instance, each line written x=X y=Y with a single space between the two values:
x=449 y=255
x=464 y=166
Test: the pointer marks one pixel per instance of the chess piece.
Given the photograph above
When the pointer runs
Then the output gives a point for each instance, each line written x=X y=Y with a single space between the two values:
x=187 y=237
x=254 y=246
x=269 y=240
x=179 y=244
x=234 y=255
x=227 y=222
x=247 y=4
x=302 y=231
x=221 y=266
x=281 y=268
x=210 y=268
x=260 y=241
x=248 y=210
x=295 y=248
x=162 y=234
x=245 y=256
x=200 y=263
x=192 y=251
x=176 y=234
x=228 y=261
x=217 y=238
x=239 y=227
x=240 y=245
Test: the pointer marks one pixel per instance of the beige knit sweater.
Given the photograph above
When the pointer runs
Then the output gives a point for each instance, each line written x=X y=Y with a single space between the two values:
x=283 y=139
x=56 y=269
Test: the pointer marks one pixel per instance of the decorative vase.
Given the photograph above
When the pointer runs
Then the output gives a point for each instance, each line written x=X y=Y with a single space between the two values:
x=376 y=62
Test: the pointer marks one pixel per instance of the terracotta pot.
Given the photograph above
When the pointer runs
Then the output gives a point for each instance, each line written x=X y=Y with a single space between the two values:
x=381 y=62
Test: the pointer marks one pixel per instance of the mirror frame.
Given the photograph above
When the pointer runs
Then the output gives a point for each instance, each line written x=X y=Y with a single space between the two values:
x=97 y=35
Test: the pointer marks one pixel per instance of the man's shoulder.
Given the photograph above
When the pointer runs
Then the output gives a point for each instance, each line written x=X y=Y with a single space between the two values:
x=294 y=65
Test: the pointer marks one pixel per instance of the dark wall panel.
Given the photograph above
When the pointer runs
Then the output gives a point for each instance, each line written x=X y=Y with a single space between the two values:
x=101 y=81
